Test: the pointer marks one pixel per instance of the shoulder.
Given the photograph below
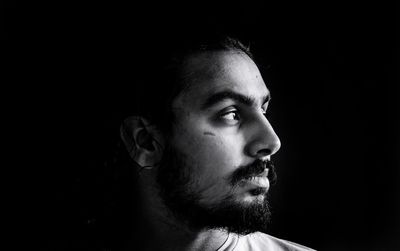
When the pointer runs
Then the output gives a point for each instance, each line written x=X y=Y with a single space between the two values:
x=260 y=241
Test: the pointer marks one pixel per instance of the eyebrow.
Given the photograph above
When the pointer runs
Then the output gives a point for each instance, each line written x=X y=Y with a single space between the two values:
x=223 y=95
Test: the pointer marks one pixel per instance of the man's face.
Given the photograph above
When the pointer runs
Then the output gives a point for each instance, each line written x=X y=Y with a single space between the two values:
x=221 y=139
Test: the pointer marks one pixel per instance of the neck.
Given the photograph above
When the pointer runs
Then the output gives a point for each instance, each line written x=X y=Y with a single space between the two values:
x=160 y=230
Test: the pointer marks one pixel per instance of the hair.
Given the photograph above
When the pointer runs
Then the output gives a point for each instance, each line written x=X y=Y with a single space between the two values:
x=154 y=81
x=161 y=75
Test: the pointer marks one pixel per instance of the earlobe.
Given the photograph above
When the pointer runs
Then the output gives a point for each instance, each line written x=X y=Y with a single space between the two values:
x=143 y=141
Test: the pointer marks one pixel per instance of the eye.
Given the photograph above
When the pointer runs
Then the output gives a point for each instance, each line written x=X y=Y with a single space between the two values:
x=230 y=116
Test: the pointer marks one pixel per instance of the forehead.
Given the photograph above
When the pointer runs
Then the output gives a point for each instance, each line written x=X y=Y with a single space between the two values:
x=211 y=72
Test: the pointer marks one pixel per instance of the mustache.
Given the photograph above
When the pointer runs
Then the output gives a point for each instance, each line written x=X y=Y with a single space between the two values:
x=254 y=169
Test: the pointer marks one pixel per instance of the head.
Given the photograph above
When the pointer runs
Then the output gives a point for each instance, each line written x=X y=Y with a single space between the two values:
x=210 y=153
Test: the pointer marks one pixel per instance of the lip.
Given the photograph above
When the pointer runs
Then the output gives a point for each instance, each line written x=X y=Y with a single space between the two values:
x=260 y=180
x=264 y=173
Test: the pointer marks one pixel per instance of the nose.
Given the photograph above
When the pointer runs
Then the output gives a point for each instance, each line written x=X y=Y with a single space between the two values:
x=263 y=139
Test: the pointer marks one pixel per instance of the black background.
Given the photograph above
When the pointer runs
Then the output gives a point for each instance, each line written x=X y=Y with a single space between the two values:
x=332 y=70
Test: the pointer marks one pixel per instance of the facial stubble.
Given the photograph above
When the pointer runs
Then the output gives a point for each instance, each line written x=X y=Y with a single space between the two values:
x=176 y=180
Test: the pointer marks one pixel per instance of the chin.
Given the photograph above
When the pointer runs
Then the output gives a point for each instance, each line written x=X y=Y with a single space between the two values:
x=243 y=211
x=242 y=217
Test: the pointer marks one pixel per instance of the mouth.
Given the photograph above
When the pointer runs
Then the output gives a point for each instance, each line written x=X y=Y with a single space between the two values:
x=259 y=181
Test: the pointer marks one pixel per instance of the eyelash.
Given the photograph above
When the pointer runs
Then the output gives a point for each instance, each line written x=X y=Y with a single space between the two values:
x=236 y=112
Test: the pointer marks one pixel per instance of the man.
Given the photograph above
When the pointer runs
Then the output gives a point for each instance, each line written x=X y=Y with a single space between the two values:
x=203 y=153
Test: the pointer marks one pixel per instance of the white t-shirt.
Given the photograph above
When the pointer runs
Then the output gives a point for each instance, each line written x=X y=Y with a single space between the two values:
x=259 y=242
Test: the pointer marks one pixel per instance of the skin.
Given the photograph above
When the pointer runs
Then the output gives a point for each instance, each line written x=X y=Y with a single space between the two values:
x=219 y=138
x=214 y=140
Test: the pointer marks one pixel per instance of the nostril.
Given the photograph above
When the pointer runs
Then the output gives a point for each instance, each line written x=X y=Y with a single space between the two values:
x=264 y=152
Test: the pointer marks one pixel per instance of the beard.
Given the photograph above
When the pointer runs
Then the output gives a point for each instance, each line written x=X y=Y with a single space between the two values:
x=175 y=179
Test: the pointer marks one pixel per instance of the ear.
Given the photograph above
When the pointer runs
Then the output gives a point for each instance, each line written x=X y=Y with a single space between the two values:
x=143 y=141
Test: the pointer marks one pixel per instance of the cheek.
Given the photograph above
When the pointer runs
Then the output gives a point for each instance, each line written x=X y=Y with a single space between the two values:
x=211 y=154
x=215 y=157
x=211 y=158
x=212 y=164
